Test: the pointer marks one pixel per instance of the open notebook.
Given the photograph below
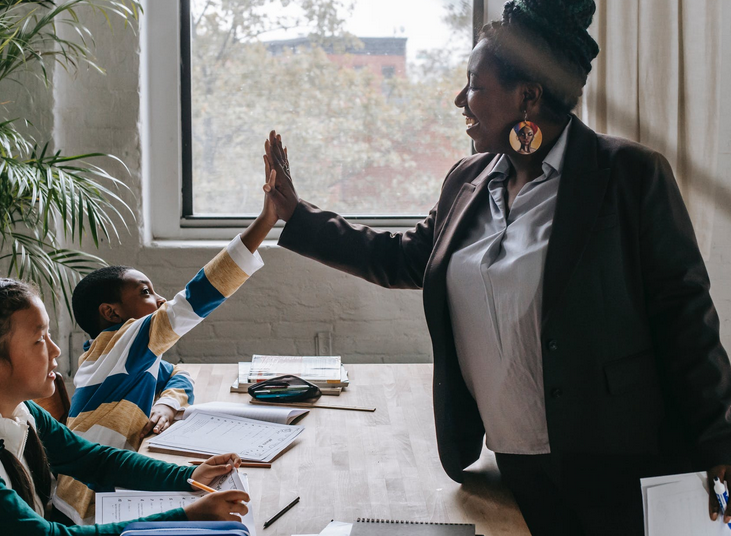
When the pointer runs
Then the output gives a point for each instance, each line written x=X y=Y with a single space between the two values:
x=279 y=415
x=214 y=433
x=125 y=505
x=384 y=527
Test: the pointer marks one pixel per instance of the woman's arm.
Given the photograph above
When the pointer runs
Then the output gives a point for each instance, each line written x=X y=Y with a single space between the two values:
x=685 y=324
x=16 y=517
x=101 y=466
x=392 y=260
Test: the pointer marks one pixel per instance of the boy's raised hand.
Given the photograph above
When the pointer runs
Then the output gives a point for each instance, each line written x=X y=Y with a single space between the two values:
x=282 y=191
x=269 y=212
x=161 y=417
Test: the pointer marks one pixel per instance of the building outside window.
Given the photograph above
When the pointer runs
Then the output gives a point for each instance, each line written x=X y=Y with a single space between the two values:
x=362 y=92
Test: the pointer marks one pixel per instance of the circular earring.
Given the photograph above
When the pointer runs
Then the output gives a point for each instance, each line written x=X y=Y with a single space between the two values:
x=525 y=136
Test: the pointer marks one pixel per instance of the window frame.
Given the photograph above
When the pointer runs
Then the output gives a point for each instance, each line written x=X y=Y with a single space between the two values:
x=167 y=132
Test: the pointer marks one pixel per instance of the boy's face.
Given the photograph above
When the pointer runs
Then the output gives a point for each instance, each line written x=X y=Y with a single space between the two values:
x=137 y=297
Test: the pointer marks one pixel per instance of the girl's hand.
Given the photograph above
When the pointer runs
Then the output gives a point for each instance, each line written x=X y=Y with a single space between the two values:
x=220 y=506
x=216 y=466
x=282 y=192
x=161 y=417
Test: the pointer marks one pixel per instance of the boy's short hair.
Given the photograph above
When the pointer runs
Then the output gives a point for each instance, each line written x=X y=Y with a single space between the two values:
x=100 y=286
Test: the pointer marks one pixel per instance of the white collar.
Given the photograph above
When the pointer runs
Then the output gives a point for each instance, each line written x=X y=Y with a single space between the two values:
x=14 y=430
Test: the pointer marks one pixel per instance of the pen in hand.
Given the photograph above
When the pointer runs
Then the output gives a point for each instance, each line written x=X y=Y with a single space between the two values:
x=721 y=495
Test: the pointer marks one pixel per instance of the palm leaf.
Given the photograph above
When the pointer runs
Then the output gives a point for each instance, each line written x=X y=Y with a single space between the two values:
x=47 y=198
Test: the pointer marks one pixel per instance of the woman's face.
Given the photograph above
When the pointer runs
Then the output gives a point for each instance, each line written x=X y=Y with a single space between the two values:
x=27 y=373
x=491 y=110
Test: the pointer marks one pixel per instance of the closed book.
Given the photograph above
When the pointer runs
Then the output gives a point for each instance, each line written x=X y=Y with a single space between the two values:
x=244 y=379
x=321 y=368
x=385 y=527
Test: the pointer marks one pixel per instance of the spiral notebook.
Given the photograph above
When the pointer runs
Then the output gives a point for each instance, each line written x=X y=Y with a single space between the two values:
x=386 y=527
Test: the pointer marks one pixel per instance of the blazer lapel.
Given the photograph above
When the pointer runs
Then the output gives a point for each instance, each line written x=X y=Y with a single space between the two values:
x=469 y=198
x=580 y=196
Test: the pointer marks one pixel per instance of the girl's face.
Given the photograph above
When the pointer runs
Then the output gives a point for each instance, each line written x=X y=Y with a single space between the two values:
x=32 y=358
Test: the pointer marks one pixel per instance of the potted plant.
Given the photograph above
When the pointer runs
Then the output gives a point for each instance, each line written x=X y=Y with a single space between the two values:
x=48 y=199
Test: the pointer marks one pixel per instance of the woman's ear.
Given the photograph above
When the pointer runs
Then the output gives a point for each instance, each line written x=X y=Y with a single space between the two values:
x=108 y=312
x=532 y=97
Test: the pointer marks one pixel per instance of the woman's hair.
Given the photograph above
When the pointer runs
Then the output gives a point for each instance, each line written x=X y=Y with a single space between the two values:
x=544 y=41
x=17 y=296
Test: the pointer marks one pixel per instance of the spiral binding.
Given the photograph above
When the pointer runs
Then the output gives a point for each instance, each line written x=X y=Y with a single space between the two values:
x=404 y=522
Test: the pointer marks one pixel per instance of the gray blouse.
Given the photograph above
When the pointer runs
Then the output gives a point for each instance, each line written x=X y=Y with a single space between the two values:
x=494 y=291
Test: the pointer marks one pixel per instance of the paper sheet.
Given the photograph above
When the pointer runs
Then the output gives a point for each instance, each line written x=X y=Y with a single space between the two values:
x=677 y=505
x=209 y=433
x=334 y=528
x=131 y=504
x=279 y=415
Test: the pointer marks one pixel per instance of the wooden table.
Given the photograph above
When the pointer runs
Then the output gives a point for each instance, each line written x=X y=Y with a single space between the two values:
x=350 y=464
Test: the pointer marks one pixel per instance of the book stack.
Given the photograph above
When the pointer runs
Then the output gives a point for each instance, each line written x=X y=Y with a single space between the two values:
x=327 y=372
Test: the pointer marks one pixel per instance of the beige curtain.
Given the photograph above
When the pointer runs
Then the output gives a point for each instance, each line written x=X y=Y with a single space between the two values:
x=657 y=81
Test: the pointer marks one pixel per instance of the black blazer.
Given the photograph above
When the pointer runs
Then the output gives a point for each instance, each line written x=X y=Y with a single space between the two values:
x=632 y=361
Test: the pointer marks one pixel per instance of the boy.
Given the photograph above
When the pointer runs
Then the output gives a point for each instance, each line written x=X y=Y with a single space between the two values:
x=121 y=372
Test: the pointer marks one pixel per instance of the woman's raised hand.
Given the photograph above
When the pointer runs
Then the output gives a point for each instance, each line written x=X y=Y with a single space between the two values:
x=282 y=193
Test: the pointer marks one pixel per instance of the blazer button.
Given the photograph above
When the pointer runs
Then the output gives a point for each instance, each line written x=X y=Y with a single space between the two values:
x=552 y=345
x=557 y=393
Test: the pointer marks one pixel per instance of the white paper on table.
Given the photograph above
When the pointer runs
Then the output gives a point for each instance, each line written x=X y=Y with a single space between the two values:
x=126 y=505
x=209 y=433
x=279 y=415
x=337 y=528
x=677 y=505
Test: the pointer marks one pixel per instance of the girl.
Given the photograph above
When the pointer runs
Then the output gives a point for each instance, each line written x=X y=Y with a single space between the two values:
x=33 y=445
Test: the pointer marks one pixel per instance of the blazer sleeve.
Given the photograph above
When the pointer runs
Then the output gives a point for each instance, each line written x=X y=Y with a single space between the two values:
x=685 y=327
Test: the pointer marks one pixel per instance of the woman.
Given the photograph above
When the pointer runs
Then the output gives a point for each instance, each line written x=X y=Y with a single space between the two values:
x=566 y=298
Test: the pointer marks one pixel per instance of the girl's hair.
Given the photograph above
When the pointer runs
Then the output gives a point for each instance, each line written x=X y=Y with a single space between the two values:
x=17 y=296
x=544 y=41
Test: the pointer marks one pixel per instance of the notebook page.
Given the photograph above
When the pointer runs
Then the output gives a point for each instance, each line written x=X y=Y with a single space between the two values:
x=279 y=415
x=209 y=433
x=127 y=505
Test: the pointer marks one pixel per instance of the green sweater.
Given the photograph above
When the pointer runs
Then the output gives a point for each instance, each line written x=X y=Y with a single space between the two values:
x=96 y=465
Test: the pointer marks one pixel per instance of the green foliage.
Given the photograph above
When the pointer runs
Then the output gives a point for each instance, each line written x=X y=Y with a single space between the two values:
x=46 y=198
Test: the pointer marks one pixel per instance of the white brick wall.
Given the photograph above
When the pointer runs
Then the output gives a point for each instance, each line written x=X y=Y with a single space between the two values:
x=282 y=308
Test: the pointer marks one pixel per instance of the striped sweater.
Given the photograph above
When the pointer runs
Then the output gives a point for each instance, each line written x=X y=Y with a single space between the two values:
x=122 y=371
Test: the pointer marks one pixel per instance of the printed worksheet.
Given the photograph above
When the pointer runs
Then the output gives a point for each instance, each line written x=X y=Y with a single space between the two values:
x=279 y=415
x=211 y=433
x=677 y=505
x=131 y=504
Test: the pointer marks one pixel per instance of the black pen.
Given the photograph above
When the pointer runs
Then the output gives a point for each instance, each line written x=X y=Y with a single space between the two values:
x=280 y=513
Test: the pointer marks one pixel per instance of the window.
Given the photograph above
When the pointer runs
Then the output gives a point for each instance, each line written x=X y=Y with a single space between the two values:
x=361 y=90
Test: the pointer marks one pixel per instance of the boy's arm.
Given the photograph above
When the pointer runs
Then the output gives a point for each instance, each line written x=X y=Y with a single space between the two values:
x=174 y=386
x=218 y=279
x=211 y=286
